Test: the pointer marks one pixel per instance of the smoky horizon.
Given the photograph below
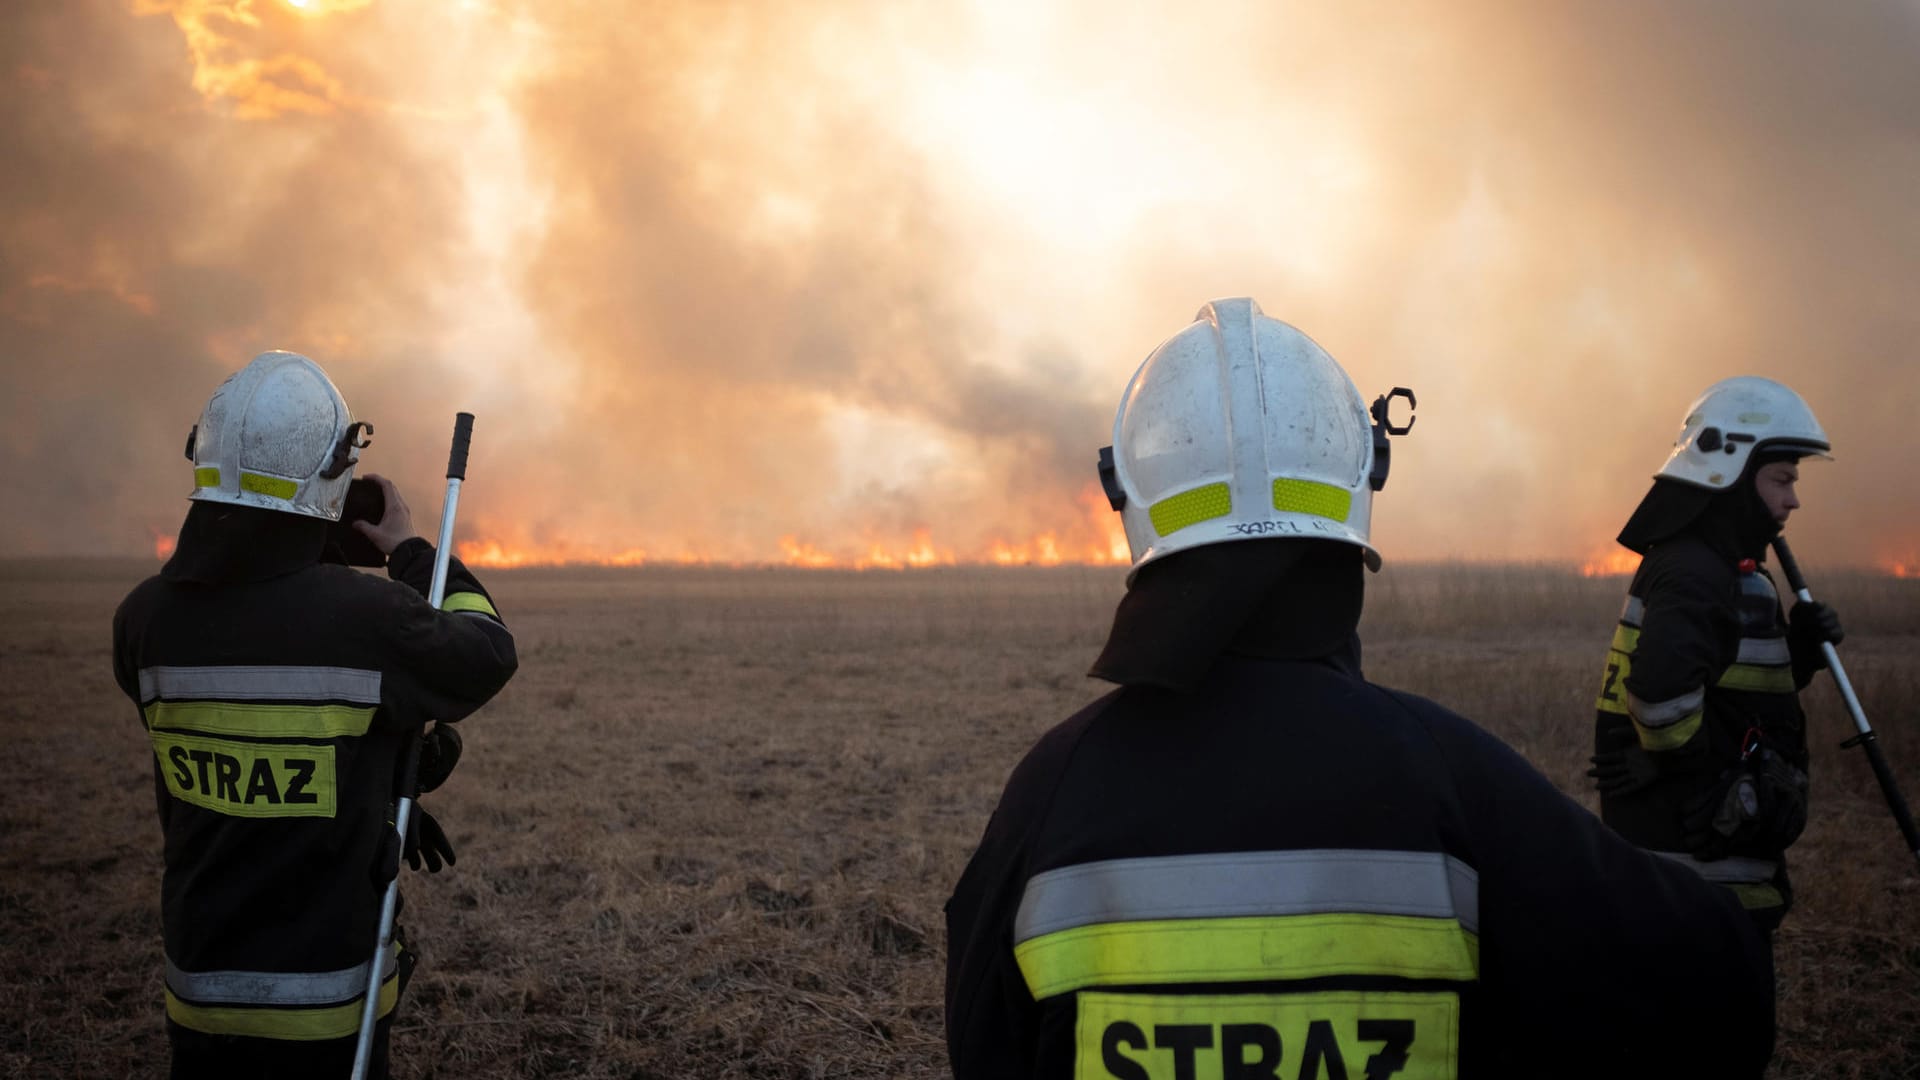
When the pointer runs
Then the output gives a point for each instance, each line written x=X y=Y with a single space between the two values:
x=861 y=283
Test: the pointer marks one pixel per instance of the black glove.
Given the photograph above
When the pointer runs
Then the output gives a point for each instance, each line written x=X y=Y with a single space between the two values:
x=439 y=753
x=1623 y=771
x=1758 y=805
x=1813 y=622
x=426 y=840
x=1808 y=624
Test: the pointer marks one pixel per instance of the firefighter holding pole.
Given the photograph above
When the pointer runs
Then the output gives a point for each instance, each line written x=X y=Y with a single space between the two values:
x=1700 y=743
x=284 y=696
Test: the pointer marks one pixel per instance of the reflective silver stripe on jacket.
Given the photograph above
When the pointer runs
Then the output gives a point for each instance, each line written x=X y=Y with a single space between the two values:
x=1737 y=870
x=357 y=685
x=1634 y=610
x=276 y=987
x=1771 y=650
x=1250 y=883
x=1657 y=714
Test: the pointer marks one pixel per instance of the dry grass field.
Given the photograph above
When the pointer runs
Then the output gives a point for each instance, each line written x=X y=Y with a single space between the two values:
x=709 y=829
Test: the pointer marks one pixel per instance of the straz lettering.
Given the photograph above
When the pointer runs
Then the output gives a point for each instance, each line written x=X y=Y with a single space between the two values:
x=1251 y=1051
x=248 y=779
x=1322 y=1036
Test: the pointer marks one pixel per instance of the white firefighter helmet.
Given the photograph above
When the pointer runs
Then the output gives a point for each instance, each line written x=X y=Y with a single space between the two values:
x=1239 y=427
x=1732 y=420
x=276 y=435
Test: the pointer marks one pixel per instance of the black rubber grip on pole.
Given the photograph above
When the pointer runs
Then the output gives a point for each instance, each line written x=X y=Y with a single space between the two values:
x=462 y=435
x=1889 y=787
x=1788 y=565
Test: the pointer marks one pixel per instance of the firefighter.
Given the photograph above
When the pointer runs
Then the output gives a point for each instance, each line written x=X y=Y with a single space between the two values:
x=1248 y=861
x=277 y=687
x=1700 y=745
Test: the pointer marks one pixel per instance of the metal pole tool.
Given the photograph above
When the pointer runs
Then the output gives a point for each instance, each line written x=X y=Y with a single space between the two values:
x=1866 y=739
x=410 y=761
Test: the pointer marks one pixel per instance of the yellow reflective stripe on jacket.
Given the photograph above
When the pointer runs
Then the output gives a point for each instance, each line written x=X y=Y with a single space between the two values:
x=1758 y=897
x=260 y=721
x=297 y=1005
x=275 y=1022
x=1671 y=737
x=1668 y=711
x=1766 y=680
x=468 y=601
x=1249 y=948
x=1625 y=639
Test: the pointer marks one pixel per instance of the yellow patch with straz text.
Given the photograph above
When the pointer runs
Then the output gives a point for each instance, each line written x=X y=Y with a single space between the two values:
x=245 y=779
x=1407 y=1036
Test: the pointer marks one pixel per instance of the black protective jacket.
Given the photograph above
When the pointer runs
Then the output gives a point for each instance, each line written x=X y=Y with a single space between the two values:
x=1286 y=870
x=277 y=691
x=1700 y=672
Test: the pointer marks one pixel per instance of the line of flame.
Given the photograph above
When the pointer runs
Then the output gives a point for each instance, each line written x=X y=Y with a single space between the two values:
x=1096 y=540
x=1612 y=562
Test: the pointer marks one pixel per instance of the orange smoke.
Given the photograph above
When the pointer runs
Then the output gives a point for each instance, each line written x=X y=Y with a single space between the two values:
x=223 y=38
x=1612 y=562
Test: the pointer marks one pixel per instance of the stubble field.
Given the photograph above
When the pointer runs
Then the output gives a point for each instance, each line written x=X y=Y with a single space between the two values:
x=708 y=830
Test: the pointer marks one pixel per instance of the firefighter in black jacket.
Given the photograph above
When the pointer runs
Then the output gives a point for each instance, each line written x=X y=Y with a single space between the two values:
x=1700 y=745
x=276 y=687
x=1248 y=861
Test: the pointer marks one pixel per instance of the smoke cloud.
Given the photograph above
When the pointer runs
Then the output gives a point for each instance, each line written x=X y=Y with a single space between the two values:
x=864 y=280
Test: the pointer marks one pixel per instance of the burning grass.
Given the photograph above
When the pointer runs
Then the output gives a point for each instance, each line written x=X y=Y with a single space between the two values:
x=709 y=829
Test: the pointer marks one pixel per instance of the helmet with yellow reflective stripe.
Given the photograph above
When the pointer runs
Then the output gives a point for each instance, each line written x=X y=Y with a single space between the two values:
x=276 y=435
x=1734 y=419
x=1240 y=427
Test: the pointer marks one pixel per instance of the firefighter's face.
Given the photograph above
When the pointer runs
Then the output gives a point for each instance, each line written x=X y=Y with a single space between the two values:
x=1774 y=483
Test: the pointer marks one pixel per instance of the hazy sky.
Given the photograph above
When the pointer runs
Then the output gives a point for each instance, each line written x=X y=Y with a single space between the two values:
x=761 y=281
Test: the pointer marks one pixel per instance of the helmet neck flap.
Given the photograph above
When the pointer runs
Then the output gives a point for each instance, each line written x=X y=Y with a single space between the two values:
x=1282 y=600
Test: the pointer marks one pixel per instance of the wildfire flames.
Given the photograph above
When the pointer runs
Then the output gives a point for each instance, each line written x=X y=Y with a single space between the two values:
x=1097 y=539
x=162 y=543
x=1907 y=569
x=921 y=552
x=1613 y=562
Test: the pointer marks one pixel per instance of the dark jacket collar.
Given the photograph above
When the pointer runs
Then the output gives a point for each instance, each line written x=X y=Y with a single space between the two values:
x=222 y=544
x=1272 y=599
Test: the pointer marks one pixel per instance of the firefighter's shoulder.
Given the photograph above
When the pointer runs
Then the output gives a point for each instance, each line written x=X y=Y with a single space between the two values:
x=1688 y=563
x=1041 y=768
x=1481 y=764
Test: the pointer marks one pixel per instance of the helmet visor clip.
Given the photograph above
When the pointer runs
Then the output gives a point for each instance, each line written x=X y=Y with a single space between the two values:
x=343 y=456
x=1384 y=426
